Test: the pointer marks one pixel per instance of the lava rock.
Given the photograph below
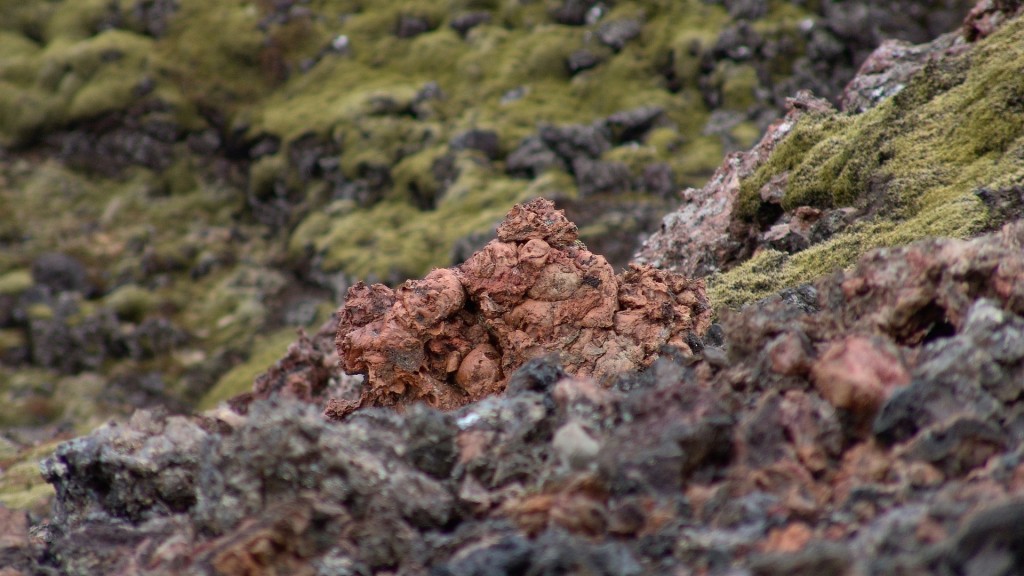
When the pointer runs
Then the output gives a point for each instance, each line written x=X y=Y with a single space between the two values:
x=485 y=141
x=456 y=335
x=581 y=60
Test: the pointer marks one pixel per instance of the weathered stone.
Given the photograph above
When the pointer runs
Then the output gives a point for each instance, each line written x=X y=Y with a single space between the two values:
x=456 y=335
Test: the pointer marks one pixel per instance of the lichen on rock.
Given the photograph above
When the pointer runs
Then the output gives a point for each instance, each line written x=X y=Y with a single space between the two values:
x=456 y=335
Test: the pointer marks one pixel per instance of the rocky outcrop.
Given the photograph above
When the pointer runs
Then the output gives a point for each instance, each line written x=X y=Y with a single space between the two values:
x=455 y=336
x=695 y=239
x=868 y=423
x=824 y=185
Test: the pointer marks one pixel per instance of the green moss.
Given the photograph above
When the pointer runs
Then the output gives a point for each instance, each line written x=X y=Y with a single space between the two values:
x=212 y=51
x=131 y=302
x=15 y=281
x=754 y=279
x=71 y=79
x=414 y=180
x=788 y=154
x=27 y=494
x=39 y=311
x=915 y=161
x=27 y=399
x=15 y=45
x=229 y=308
x=738 y=83
x=634 y=156
x=266 y=350
x=265 y=172
x=697 y=160
x=553 y=185
x=687 y=50
x=21 y=485
x=11 y=339
x=745 y=134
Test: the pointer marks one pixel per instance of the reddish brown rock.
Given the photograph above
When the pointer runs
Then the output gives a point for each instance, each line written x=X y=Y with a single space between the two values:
x=456 y=335
x=858 y=375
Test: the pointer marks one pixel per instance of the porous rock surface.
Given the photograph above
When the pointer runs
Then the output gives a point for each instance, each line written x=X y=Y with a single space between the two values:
x=456 y=335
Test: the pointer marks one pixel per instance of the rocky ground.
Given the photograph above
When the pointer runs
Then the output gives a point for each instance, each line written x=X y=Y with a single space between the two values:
x=174 y=208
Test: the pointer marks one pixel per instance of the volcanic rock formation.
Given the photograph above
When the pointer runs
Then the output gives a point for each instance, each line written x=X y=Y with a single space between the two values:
x=455 y=336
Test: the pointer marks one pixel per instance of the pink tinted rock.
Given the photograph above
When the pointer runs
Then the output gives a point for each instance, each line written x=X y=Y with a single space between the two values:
x=857 y=374
x=694 y=240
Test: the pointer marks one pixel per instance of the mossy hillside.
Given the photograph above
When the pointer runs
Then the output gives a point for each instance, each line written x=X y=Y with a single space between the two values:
x=231 y=58
x=69 y=81
x=914 y=162
x=183 y=245
x=362 y=100
x=112 y=225
x=142 y=238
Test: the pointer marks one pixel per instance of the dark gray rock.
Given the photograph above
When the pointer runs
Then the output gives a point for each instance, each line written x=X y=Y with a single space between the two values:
x=617 y=34
x=411 y=25
x=59 y=272
x=659 y=180
x=485 y=141
x=977 y=367
x=581 y=60
x=139 y=471
x=532 y=158
x=596 y=177
x=577 y=140
x=466 y=21
x=632 y=125
x=991 y=543
x=573 y=12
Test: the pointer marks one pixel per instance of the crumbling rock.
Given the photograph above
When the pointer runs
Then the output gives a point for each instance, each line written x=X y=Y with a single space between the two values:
x=455 y=336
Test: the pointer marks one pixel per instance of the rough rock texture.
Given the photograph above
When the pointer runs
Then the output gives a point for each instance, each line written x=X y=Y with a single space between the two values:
x=846 y=428
x=456 y=335
x=694 y=240
x=888 y=69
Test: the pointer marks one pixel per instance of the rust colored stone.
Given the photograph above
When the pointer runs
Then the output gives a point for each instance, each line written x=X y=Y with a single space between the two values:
x=456 y=335
x=858 y=375
x=792 y=538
